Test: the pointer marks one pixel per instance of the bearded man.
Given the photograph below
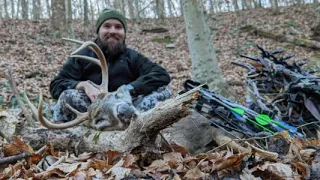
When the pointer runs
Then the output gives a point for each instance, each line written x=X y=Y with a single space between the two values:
x=147 y=81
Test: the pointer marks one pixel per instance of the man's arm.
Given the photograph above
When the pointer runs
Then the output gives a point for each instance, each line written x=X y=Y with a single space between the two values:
x=151 y=76
x=68 y=77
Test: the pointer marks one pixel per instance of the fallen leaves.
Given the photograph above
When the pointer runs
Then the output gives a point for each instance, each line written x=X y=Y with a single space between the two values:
x=255 y=163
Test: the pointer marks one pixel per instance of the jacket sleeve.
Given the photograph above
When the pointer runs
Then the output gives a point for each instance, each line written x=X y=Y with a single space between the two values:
x=151 y=76
x=68 y=77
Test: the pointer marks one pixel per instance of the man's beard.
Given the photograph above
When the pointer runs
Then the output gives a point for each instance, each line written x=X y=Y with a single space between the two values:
x=112 y=50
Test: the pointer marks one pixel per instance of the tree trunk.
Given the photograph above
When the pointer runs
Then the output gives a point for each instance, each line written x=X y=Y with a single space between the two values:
x=18 y=12
x=181 y=7
x=1 y=10
x=25 y=9
x=140 y=133
x=48 y=8
x=205 y=68
x=6 y=9
x=123 y=7
x=70 y=26
x=36 y=9
x=170 y=8
x=244 y=4
x=91 y=11
x=235 y=4
x=86 y=19
x=160 y=9
x=58 y=18
x=98 y=7
x=137 y=6
x=211 y=6
x=131 y=9
x=12 y=9
x=276 y=7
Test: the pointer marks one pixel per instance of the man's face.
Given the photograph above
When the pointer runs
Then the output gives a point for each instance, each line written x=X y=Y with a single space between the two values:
x=111 y=33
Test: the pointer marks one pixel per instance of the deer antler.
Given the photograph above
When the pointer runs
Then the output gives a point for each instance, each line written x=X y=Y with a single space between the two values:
x=103 y=87
x=101 y=61
x=81 y=117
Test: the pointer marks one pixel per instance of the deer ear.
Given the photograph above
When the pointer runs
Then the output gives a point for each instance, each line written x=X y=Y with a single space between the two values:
x=123 y=90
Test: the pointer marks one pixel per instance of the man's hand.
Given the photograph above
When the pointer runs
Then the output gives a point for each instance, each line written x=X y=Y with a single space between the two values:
x=91 y=91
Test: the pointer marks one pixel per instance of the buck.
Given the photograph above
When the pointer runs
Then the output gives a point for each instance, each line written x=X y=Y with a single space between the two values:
x=109 y=111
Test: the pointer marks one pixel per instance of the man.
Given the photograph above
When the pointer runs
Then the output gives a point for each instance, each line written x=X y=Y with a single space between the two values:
x=146 y=80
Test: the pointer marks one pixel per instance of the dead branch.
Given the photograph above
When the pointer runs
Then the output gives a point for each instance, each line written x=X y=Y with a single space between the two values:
x=14 y=158
x=140 y=133
x=281 y=37
x=14 y=88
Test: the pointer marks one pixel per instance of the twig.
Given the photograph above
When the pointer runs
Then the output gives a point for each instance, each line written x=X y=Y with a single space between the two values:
x=14 y=158
x=212 y=150
x=315 y=122
x=28 y=116
x=166 y=142
x=42 y=150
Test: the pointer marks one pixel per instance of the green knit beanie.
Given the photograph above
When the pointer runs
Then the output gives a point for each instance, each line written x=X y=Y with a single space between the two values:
x=110 y=14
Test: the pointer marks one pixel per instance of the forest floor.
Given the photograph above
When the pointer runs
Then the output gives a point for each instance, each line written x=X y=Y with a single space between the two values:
x=33 y=53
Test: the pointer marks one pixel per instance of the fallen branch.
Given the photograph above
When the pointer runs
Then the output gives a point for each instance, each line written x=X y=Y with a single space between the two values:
x=141 y=132
x=281 y=37
x=14 y=158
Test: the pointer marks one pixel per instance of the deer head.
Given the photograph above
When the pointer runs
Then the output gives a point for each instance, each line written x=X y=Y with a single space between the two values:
x=110 y=110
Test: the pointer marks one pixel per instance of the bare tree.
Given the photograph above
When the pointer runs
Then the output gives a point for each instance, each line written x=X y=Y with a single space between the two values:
x=12 y=9
x=169 y=4
x=91 y=10
x=235 y=4
x=86 y=19
x=160 y=9
x=48 y=8
x=123 y=7
x=131 y=9
x=70 y=26
x=59 y=18
x=205 y=66
x=18 y=12
x=6 y=9
x=1 y=10
x=36 y=9
x=137 y=15
x=25 y=9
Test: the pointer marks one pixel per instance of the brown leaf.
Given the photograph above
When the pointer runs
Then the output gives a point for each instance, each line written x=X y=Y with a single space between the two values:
x=112 y=156
x=16 y=147
x=232 y=161
x=100 y=164
x=157 y=166
x=195 y=174
x=303 y=169
x=274 y=171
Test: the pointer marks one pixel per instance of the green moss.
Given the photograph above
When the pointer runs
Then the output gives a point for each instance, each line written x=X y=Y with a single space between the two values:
x=166 y=40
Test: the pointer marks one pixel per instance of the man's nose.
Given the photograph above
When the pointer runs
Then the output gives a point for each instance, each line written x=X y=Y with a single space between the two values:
x=112 y=29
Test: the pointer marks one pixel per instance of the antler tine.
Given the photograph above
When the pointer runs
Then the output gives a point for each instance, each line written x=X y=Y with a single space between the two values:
x=73 y=40
x=101 y=61
x=81 y=117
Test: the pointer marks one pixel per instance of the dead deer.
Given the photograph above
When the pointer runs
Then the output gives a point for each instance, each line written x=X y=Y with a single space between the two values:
x=110 y=110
